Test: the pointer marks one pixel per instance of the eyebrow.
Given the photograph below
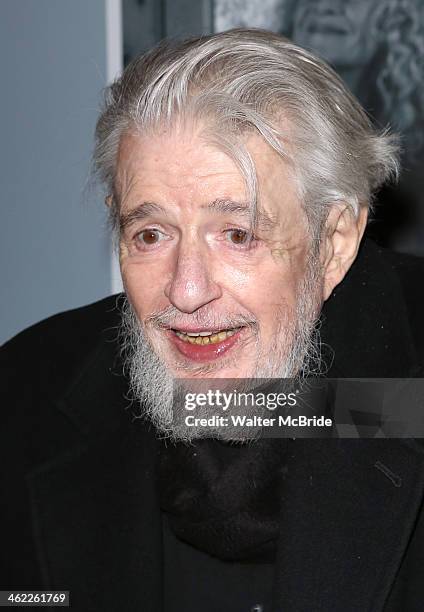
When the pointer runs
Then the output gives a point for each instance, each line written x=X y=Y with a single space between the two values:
x=220 y=206
x=142 y=211
x=243 y=209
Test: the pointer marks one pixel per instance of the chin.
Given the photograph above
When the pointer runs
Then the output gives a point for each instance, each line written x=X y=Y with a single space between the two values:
x=209 y=370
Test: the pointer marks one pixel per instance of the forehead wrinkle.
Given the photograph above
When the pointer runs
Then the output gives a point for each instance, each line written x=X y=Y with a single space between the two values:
x=123 y=184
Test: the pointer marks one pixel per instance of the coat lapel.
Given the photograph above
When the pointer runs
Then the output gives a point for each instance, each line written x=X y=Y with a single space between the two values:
x=348 y=512
x=96 y=518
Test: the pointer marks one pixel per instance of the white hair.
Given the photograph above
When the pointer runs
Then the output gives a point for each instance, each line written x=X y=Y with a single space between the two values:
x=252 y=81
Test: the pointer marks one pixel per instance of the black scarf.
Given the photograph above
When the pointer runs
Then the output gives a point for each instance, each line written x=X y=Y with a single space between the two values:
x=223 y=498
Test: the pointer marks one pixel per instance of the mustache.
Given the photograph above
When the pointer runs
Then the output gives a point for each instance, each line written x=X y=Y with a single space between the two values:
x=171 y=318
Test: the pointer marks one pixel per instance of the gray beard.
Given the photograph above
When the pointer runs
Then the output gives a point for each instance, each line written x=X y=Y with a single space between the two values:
x=294 y=354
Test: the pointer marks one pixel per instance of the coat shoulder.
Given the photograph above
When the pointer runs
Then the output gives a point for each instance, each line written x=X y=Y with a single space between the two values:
x=64 y=338
x=41 y=365
x=44 y=360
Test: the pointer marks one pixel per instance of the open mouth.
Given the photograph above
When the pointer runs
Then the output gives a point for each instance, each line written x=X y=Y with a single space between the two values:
x=206 y=337
x=204 y=345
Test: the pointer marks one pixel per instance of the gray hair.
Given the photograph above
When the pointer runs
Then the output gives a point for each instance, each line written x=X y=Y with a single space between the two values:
x=253 y=81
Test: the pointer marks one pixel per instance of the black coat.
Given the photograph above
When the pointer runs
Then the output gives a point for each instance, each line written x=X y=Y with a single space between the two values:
x=79 y=507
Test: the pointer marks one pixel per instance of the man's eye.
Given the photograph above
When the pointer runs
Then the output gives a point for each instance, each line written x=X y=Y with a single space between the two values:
x=238 y=236
x=149 y=236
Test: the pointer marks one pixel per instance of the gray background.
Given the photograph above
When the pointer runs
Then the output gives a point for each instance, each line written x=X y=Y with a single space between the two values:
x=54 y=243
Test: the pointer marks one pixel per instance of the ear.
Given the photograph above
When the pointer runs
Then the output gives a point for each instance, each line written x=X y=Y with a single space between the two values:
x=109 y=201
x=342 y=236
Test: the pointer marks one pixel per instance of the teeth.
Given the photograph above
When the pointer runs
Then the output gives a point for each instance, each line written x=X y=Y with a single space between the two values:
x=206 y=337
x=195 y=334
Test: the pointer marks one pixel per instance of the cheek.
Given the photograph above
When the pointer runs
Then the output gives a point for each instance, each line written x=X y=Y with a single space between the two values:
x=144 y=287
x=262 y=290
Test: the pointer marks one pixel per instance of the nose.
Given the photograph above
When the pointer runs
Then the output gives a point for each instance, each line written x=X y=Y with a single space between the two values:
x=191 y=285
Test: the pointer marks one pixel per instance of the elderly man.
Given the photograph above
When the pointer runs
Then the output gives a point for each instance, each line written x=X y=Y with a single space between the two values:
x=239 y=174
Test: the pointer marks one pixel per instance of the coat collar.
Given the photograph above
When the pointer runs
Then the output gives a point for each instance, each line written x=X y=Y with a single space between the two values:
x=365 y=323
x=348 y=511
